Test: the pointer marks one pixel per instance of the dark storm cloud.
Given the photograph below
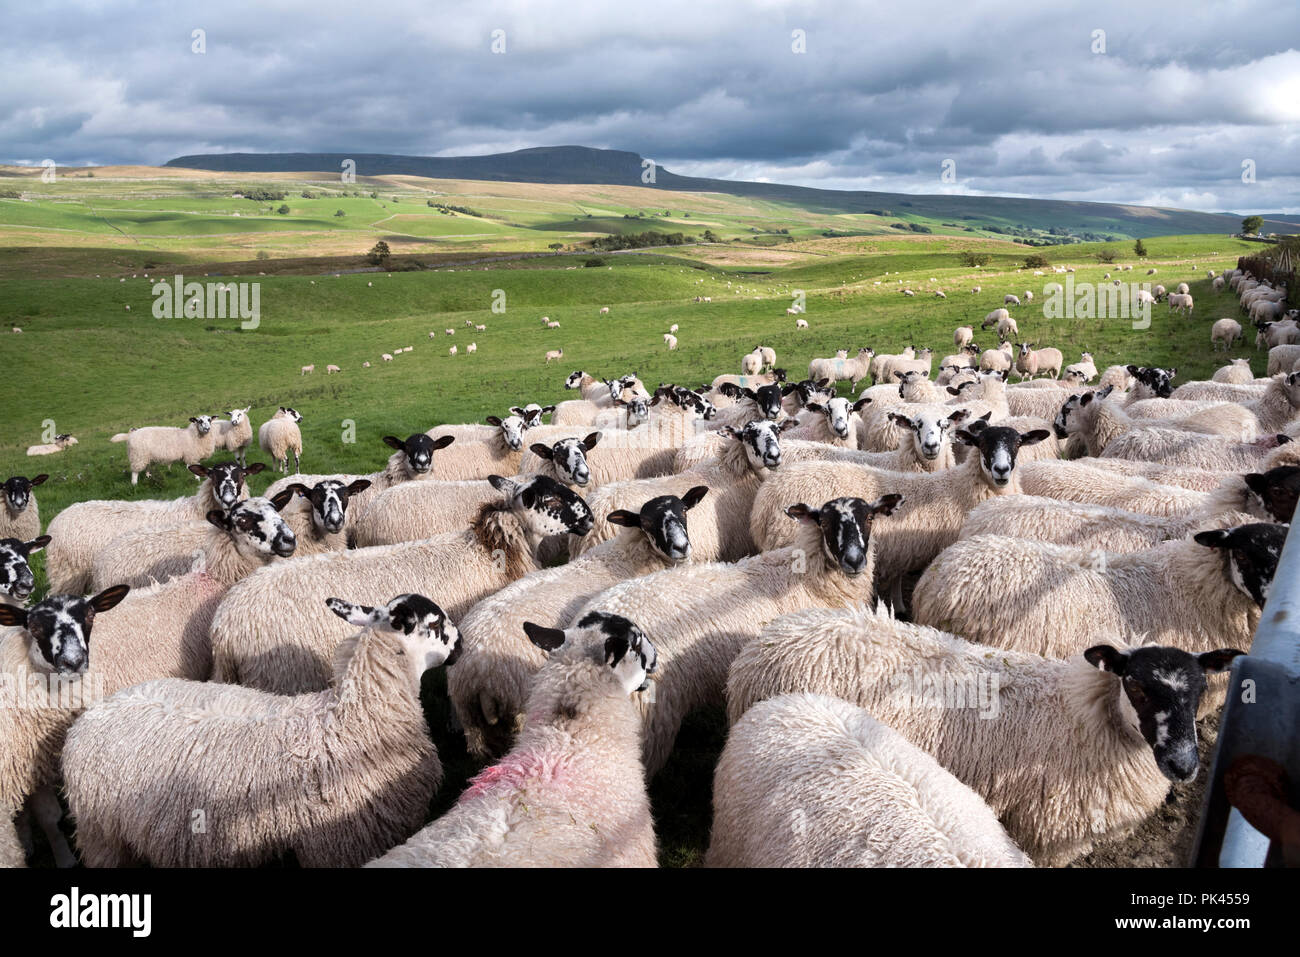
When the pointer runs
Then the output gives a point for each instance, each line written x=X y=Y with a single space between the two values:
x=1021 y=100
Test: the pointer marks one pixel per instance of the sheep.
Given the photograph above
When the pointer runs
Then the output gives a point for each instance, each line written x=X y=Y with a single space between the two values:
x=1282 y=359
x=673 y=327
x=1277 y=407
x=480 y=327
x=1086 y=368
x=62 y=441
x=1101 y=422
x=83 y=528
x=880 y=371
x=495 y=448
x=489 y=688
x=386 y=357
x=1218 y=283
x=908 y=292
x=159 y=553
x=1032 y=361
x=923 y=362
x=471 y=348
x=604 y=310
x=670 y=340
x=834 y=422
x=938 y=501
x=1177 y=447
x=994 y=318
x=279 y=435
x=801 y=324
x=703 y=613
x=768 y=353
x=751 y=363
x=1151 y=272
x=453 y=351
x=305 y=369
x=988 y=393
x=17 y=581
x=331 y=369
x=962 y=336
x=1117 y=376
x=235 y=435
x=1236 y=372
x=1226 y=331
x=926 y=445
x=1181 y=303
x=583 y=717
x=332 y=778
x=810 y=780
x=1075 y=749
x=21 y=517
x=997 y=360
x=1183 y=289
x=842 y=367
x=165 y=444
x=1011 y=299
x=733 y=476
x=914 y=387
x=266 y=636
x=562 y=454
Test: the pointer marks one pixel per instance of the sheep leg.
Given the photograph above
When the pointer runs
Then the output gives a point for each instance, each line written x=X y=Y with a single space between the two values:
x=134 y=477
x=48 y=812
x=896 y=596
x=297 y=463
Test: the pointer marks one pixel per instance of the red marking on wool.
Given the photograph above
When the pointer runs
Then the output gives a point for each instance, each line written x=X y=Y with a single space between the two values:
x=509 y=774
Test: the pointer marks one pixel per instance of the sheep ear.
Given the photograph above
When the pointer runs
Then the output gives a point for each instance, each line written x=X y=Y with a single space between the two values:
x=503 y=484
x=900 y=420
x=514 y=410
x=1087 y=397
x=985 y=417
x=284 y=496
x=298 y=487
x=886 y=504
x=1220 y=660
x=1214 y=538
x=862 y=403
x=750 y=394
x=814 y=407
x=36 y=544
x=110 y=597
x=967 y=437
x=1107 y=658
x=200 y=470
x=616 y=649
x=442 y=441
x=548 y=639
x=898 y=375
x=1106 y=391
x=495 y=420
x=547 y=409
x=952 y=391
x=804 y=514
x=537 y=448
x=1034 y=437
x=363 y=616
x=590 y=441
x=254 y=468
x=729 y=432
x=624 y=517
x=219 y=518
x=360 y=485
x=693 y=496
x=1132 y=370
x=786 y=389
x=393 y=442
x=657 y=396
x=13 y=616
x=959 y=416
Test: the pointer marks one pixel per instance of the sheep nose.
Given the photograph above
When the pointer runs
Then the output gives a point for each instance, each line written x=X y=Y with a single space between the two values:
x=853 y=561
x=23 y=587
x=1181 y=766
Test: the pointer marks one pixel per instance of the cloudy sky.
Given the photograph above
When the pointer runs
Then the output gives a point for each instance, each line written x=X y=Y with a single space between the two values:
x=1161 y=107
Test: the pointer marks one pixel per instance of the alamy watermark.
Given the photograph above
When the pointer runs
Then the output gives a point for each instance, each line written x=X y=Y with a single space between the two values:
x=976 y=691
x=208 y=300
x=1086 y=300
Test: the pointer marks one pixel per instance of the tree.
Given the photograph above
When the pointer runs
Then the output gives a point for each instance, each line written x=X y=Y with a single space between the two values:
x=1139 y=249
x=378 y=254
x=555 y=246
x=710 y=236
x=284 y=209
x=1036 y=261
x=339 y=212
x=1251 y=225
x=974 y=259
x=1106 y=256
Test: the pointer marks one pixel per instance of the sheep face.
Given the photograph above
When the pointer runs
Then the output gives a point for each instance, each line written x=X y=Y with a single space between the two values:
x=1252 y=552
x=638 y=411
x=610 y=641
x=238 y=415
x=329 y=501
x=1075 y=410
x=16 y=578
x=532 y=414
x=998 y=446
x=256 y=527
x=202 y=423
x=762 y=442
x=837 y=414
x=291 y=414
x=427 y=635
x=512 y=428
x=1159 y=381
x=1161 y=690
x=845 y=525
x=227 y=479
x=59 y=628
x=418 y=449
x=570 y=458
x=18 y=491
x=574 y=380
x=546 y=506
x=663 y=521
x=767 y=398
x=929 y=429
x=1275 y=491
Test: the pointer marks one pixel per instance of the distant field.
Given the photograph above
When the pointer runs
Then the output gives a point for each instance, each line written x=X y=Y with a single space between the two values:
x=85 y=364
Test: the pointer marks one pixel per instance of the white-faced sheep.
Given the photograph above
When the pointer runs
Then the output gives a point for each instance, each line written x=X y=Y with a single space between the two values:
x=1011 y=299
x=236 y=434
x=494 y=448
x=82 y=529
x=926 y=445
x=279 y=436
x=490 y=686
x=720 y=525
x=269 y=632
x=1030 y=361
x=1064 y=751
x=834 y=422
x=305 y=369
x=1282 y=358
x=702 y=614
x=62 y=441
x=582 y=717
x=670 y=340
x=938 y=502
x=1195 y=594
x=165 y=444
x=813 y=781
x=801 y=324
x=332 y=778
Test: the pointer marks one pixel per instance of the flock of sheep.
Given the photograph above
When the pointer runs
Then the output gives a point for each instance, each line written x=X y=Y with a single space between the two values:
x=837 y=571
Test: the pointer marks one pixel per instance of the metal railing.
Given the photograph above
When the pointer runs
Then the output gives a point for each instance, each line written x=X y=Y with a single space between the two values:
x=1261 y=716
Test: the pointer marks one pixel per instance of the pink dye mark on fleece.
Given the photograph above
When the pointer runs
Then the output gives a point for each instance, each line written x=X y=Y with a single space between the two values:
x=509 y=774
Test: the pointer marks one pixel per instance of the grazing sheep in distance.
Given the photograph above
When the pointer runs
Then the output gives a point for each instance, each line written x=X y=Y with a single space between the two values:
x=604 y=310
x=452 y=351
x=552 y=325
x=801 y=324
x=1064 y=751
x=554 y=354
x=1151 y=272
x=583 y=717
x=365 y=791
x=62 y=441
x=450 y=332
x=331 y=369
x=671 y=340
x=975 y=289
x=807 y=780
x=386 y=357
x=1227 y=331
x=279 y=436
x=1182 y=303
x=306 y=369
x=472 y=347
x=1011 y=299
x=480 y=327
x=673 y=327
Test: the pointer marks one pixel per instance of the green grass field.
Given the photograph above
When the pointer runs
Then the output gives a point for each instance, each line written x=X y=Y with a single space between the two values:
x=85 y=364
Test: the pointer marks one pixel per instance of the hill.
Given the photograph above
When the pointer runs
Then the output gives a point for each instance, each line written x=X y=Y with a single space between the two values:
x=583 y=165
